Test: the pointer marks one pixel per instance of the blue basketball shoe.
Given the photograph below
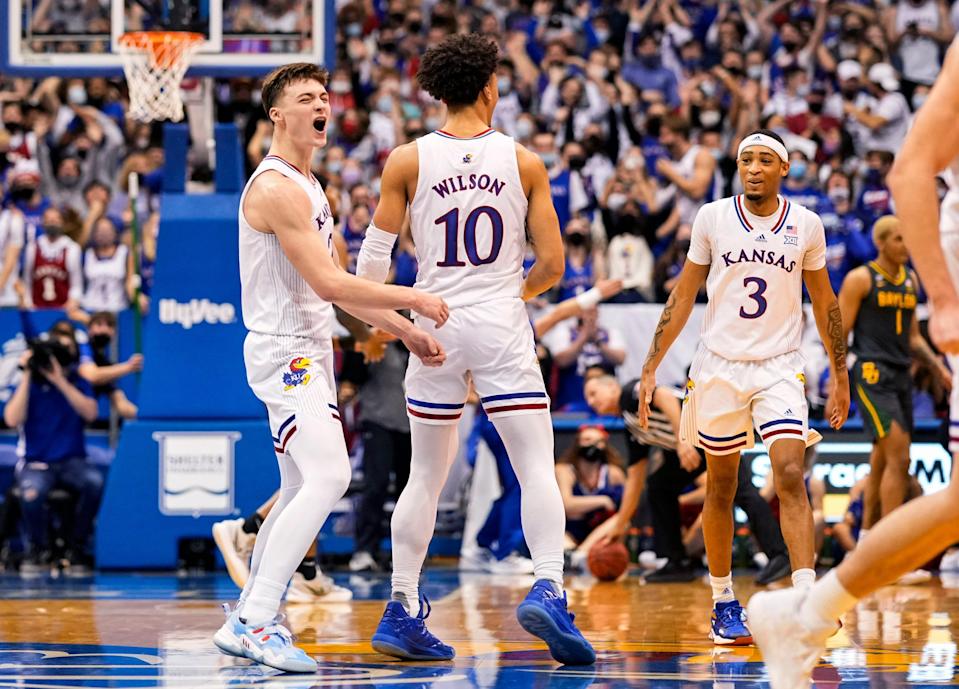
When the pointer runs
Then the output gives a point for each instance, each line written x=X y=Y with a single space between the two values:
x=728 y=625
x=543 y=613
x=269 y=644
x=403 y=636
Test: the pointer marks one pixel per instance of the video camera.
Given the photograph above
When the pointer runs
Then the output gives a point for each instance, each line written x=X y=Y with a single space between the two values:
x=45 y=351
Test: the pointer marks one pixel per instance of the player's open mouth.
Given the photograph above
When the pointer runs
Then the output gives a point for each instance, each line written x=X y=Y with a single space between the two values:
x=319 y=124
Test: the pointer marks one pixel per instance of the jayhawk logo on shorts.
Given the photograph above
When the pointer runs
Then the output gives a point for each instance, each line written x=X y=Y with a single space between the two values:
x=298 y=373
x=468 y=158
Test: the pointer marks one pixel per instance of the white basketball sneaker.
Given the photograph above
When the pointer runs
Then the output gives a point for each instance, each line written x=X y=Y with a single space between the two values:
x=236 y=547
x=789 y=649
x=319 y=589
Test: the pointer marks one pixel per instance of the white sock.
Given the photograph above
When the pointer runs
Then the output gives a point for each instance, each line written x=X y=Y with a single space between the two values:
x=722 y=588
x=414 y=517
x=825 y=603
x=263 y=602
x=804 y=578
x=529 y=442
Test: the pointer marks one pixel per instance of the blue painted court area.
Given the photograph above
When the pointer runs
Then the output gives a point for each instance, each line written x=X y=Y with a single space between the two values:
x=153 y=630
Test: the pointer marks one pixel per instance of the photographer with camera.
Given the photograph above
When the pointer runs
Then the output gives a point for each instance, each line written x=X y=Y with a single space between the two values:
x=51 y=405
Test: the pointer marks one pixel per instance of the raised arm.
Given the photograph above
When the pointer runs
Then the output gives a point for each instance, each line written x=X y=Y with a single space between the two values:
x=913 y=184
x=542 y=225
x=830 y=325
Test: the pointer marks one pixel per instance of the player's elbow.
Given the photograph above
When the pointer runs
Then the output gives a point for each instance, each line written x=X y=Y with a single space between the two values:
x=555 y=266
x=906 y=170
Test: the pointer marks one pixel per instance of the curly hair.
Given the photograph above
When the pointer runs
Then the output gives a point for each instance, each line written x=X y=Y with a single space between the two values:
x=281 y=77
x=457 y=68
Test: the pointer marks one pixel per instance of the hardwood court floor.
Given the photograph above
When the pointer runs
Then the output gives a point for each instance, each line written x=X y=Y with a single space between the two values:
x=144 y=631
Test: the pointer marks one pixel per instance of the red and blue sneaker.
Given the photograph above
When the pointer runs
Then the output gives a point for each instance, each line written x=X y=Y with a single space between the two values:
x=728 y=625
x=543 y=613
x=401 y=635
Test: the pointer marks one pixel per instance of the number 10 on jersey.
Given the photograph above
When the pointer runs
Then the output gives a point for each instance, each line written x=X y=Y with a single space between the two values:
x=451 y=220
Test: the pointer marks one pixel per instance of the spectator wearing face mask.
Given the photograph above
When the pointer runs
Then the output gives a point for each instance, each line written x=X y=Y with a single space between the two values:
x=848 y=242
x=65 y=187
x=106 y=268
x=799 y=187
x=646 y=71
x=875 y=199
x=851 y=97
x=576 y=349
x=580 y=273
x=508 y=108
x=354 y=230
x=544 y=145
x=888 y=121
x=25 y=195
x=572 y=104
x=690 y=170
x=790 y=102
x=591 y=480
x=919 y=29
x=102 y=331
x=51 y=271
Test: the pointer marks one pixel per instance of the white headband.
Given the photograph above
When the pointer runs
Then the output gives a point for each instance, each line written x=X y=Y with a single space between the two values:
x=763 y=140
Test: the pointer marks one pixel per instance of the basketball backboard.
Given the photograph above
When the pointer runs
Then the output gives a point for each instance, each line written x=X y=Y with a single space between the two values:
x=65 y=38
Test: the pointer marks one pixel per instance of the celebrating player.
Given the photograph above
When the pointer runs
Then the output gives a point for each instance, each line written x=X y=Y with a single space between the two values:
x=791 y=627
x=472 y=193
x=290 y=281
x=754 y=251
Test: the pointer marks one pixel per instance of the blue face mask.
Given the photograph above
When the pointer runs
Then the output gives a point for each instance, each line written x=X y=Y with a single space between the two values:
x=384 y=104
x=797 y=170
x=504 y=84
x=549 y=159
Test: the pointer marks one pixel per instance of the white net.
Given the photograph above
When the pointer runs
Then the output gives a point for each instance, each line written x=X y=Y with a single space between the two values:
x=155 y=64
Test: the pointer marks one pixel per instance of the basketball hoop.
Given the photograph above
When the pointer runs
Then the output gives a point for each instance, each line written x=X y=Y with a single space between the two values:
x=155 y=63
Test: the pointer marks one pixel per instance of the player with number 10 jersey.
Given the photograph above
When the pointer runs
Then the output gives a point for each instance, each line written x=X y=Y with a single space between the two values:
x=474 y=195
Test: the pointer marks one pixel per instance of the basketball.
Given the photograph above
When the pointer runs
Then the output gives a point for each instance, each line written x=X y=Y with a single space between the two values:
x=608 y=562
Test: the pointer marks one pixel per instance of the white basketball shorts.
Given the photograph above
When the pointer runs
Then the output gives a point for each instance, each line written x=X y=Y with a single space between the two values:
x=492 y=341
x=950 y=247
x=293 y=377
x=725 y=399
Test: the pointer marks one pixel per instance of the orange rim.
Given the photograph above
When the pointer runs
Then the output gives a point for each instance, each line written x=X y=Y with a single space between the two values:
x=165 y=47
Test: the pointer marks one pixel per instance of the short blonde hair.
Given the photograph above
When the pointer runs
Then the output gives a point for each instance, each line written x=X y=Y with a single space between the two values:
x=884 y=227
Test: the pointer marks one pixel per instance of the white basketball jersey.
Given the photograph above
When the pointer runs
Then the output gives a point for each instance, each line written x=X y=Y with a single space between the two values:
x=276 y=299
x=468 y=218
x=755 y=275
x=105 y=280
x=949 y=211
x=12 y=233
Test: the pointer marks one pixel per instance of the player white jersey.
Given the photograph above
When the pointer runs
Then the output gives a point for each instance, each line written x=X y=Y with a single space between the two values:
x=468 y=218
x=276 y=299
x=755 y=275
x=105 y=280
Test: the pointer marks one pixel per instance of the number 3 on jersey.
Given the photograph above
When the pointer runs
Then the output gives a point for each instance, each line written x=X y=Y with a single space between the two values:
x=452 y=222
x=756 y=296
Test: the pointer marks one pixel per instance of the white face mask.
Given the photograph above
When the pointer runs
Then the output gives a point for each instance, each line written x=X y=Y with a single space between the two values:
x=710 y=118
x=918 y=100
x=615 y=201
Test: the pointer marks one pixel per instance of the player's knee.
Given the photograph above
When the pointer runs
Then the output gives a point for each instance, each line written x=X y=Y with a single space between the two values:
x=790 y=481
x=722 y=489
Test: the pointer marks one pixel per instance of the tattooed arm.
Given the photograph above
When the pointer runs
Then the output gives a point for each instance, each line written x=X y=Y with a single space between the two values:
x=675 y=314
x=829 y=323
